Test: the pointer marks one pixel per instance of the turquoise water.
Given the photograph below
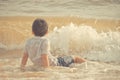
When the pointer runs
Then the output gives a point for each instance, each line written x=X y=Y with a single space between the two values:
x=109 y=9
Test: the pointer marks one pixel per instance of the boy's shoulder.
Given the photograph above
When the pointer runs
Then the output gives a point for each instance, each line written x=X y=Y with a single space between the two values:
x=37 y=38
x=45 y=39
x=29 y=39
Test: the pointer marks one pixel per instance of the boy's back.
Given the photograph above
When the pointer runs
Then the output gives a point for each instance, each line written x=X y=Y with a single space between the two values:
x=37 y=46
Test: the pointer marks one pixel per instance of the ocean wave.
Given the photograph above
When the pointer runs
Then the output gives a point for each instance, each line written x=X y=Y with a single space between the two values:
x=109 y=9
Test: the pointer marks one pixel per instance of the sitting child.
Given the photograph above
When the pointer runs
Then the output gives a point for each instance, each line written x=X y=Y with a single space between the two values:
x=38 y=49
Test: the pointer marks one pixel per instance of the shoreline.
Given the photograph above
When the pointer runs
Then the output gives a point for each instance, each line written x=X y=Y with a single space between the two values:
x=68 y=16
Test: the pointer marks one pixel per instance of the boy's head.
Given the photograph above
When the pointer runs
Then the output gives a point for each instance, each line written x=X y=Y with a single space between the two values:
x=39 y=27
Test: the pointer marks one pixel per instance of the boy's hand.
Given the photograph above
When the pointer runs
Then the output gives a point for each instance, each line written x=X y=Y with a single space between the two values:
x=23 y=62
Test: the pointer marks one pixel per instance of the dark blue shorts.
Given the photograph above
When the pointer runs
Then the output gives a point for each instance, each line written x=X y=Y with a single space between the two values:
x=65 y=61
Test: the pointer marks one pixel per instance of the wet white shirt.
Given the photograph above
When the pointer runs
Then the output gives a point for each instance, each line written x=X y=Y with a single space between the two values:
x=35 y=47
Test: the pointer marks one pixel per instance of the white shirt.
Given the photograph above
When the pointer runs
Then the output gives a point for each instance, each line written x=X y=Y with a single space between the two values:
x=35 y=47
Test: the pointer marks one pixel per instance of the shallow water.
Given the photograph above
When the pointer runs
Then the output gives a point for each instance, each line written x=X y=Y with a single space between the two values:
x=109 y=9
x=86 y=71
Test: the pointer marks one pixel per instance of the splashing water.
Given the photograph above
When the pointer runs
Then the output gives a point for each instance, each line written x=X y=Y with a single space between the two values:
x=72 y=39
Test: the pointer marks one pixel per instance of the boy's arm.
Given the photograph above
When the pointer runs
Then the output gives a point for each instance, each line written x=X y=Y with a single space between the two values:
x=45 y=60
x=24 y=61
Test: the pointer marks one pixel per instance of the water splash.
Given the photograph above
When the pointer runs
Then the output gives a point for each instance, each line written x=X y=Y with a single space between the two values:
x=73 y=39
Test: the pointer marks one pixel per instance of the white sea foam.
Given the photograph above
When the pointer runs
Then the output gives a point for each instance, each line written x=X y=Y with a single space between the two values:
x=72 y=39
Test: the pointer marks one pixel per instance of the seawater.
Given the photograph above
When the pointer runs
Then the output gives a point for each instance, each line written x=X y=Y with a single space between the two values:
x=109 y=9
x=82 y=40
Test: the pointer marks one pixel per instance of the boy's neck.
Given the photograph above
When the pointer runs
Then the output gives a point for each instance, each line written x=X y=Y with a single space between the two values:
x=39 y=36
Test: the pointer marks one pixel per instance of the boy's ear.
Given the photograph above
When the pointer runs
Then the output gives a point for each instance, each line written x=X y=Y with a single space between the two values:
x=47 y=32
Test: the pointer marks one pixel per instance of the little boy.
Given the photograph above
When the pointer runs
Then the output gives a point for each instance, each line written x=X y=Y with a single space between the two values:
x=38 y=49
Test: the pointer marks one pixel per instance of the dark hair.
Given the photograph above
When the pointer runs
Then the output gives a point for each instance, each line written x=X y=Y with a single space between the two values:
x=39 y=27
